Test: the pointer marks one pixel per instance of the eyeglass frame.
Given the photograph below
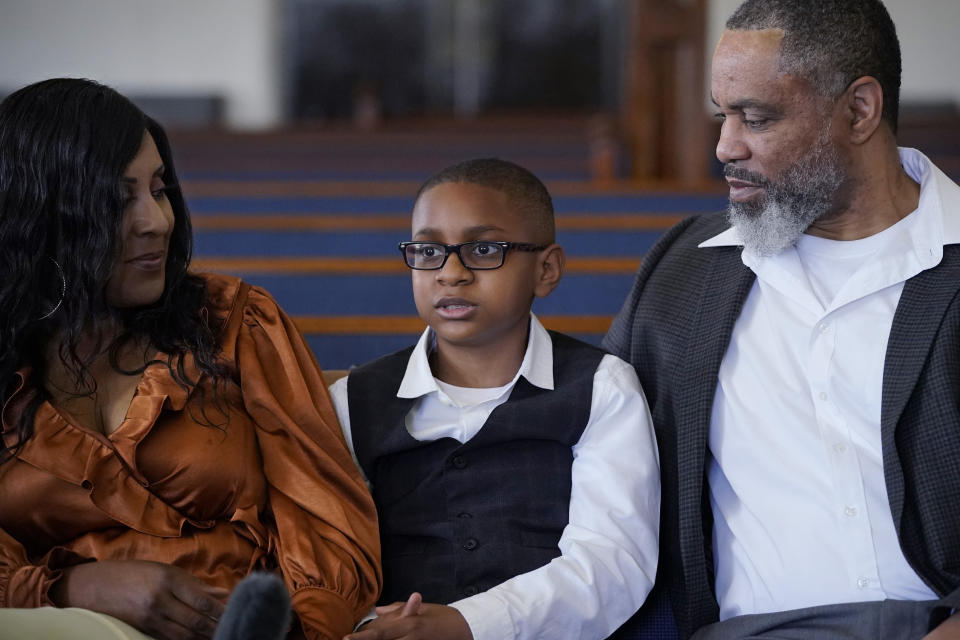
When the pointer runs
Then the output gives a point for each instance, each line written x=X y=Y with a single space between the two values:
x=455 y=248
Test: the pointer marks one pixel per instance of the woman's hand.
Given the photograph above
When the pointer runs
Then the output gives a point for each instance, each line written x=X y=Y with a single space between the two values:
x=159 y=599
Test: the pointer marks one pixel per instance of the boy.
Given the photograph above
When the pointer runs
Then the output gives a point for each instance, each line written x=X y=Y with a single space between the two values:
x=514 y=469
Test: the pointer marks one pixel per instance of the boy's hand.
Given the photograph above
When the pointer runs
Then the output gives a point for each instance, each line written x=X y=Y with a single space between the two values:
x=159 y=599
x=414 y=620
x=401 y=609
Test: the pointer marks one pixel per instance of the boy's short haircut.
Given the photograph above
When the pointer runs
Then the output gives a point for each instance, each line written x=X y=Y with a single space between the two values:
x=525 y=191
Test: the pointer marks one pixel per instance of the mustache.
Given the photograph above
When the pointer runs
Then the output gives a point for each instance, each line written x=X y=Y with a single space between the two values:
x=739 y=173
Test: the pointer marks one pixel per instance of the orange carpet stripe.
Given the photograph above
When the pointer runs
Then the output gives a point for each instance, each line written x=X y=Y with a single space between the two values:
x=348 y=222
x=393 y=325
x=324 y=264
x=353 y=266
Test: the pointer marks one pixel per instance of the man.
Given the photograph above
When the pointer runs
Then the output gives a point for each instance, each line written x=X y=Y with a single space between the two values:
x=802 y=354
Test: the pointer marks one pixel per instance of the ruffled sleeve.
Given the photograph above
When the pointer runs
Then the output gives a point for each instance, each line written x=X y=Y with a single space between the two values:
x=21 y=583
x=325 y=535
x=26 y=585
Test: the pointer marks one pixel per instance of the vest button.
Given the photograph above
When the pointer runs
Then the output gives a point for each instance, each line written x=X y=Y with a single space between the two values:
x=471 y=544
x=464 y=515
x=471 y=591
x=459 y=462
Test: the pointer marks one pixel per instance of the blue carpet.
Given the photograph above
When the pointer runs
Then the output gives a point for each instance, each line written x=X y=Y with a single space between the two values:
x=356 y=205
x=414 y=175
x=392 y=294
x=218 y=243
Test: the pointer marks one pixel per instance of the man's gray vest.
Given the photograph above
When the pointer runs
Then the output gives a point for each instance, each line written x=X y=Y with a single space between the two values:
x=457 y=519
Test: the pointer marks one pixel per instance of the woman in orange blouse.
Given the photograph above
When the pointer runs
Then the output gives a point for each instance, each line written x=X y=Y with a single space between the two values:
x=163 y=433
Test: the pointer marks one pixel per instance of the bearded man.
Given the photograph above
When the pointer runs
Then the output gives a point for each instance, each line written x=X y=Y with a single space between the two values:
x=801 y=355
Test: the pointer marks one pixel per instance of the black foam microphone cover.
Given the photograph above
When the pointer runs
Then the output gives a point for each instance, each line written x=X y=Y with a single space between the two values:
x=258 y=609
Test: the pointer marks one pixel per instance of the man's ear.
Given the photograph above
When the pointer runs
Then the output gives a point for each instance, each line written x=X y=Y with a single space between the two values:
x=549 y=269
x=863 y=102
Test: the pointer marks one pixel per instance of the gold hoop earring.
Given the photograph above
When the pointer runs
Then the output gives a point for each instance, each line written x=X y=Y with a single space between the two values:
x=63 y=290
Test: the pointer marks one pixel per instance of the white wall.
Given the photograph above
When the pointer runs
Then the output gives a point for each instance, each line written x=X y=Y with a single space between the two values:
x=232 y=48
x=929 y=45
x=227 y=47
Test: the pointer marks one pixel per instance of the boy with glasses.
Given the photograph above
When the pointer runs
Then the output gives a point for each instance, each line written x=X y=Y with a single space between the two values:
x=514 y=469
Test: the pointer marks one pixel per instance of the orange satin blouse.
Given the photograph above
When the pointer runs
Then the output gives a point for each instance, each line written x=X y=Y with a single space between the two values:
x=271 y=487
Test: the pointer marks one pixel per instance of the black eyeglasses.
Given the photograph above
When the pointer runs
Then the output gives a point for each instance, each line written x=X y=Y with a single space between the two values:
x=485 y=254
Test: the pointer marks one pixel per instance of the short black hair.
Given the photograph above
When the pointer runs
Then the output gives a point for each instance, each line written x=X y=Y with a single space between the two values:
x=525 y=190
x=831 y=43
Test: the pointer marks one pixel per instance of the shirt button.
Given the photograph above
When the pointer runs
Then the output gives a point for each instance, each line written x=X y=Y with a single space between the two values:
x=824 y=396
x=471 y=591
x=471 y=544
x=850 y=511
x=824 y=327
x=863 y=583
x=840 y=447
x=459 y=462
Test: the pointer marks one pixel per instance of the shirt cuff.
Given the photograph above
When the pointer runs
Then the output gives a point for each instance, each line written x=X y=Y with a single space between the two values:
x=371 y=615
x=487 y=617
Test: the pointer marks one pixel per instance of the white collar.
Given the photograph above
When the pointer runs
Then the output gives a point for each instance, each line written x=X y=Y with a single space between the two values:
x=938 y=194
x=536 y=367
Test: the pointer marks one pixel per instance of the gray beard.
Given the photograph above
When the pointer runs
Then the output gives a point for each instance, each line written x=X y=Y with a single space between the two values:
x=795 y=199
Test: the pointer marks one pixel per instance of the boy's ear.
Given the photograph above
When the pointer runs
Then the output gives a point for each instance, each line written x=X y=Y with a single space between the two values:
x=549 y=270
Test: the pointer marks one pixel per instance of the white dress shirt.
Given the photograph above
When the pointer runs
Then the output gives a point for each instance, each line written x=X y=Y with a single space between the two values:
x=609 y=547
x=801 y=515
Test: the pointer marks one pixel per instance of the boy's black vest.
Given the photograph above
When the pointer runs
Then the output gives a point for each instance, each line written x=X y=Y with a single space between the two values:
x=457 y=519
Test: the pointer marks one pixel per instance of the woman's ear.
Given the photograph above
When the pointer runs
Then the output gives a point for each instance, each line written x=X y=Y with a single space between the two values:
x=864 y=106
x=549 y=270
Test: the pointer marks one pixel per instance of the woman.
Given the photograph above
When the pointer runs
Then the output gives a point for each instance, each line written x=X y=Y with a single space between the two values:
x=164 y=433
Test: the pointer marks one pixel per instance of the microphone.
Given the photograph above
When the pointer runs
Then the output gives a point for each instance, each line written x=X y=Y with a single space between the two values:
x=258 y=609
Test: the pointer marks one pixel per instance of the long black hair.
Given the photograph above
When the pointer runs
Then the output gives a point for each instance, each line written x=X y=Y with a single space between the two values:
x=64 y=147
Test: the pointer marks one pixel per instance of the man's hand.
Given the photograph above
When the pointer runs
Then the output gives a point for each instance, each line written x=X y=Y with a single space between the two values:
x=414 y=620
x=949 y=629
x=161 y=600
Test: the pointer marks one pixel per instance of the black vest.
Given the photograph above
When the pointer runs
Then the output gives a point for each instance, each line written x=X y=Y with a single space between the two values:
x=457 y=519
